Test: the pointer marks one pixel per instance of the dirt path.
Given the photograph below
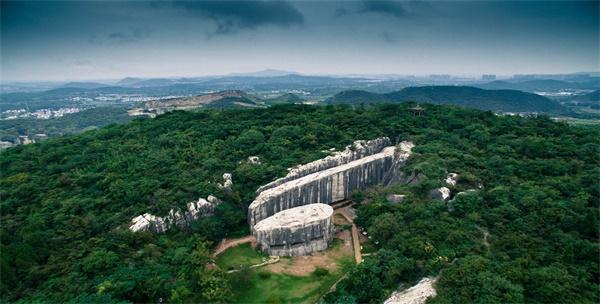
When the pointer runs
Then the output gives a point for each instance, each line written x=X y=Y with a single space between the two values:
x=226 y=244
x=355 y=238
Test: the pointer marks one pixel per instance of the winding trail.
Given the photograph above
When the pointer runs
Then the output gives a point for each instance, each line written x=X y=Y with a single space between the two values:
x=355 y=240
x=226 y=244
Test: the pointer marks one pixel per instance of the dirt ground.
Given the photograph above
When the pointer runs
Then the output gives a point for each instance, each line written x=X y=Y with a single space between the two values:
x=305 y=265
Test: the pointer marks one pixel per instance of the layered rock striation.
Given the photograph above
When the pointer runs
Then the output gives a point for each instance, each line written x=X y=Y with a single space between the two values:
x=358 y=149
x=331 y=179
x=296 y=231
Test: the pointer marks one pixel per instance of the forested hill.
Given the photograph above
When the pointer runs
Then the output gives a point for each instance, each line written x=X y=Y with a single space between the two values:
x=496 y=100
x=66 y=204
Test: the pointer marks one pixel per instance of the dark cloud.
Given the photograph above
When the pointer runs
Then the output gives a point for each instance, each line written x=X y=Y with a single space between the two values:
x=385 y=7
x=231 y=16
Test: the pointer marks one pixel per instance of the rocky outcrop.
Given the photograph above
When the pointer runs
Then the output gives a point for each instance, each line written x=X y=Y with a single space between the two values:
x=417 y=294
x=227 y=183
x=255 y=160
x=358 y=150
x=296 y=231
x=441 y=194
x=330 y=185
x=452 y=179
x=175 y=217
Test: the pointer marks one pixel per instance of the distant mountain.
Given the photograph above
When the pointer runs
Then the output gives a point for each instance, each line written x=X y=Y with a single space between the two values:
x=496 y=100
x=127 y=81
x=539 y=85
x=263 y=73
x=154 y=82
x=83 y=85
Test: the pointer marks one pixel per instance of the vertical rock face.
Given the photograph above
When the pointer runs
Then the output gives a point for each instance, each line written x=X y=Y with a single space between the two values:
x=296 y=231
x=359 y=149
x=332 y=184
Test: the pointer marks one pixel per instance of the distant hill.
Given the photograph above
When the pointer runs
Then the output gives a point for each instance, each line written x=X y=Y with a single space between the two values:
x=154 y=82
x=264 y=73
x=592 y=96
x=83 y=85
x=539 y=85
x=496 y=100
x=127 y=81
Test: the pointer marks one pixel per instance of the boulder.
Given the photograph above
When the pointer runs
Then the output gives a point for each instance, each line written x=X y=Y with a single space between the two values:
x=452 y=179
x=255 y=160
x=441 y=194
x=395 y=198
x=227 y=183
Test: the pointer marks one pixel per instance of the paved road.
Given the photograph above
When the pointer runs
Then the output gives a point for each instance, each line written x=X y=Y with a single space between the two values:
x=355 y=240
x=226 y=244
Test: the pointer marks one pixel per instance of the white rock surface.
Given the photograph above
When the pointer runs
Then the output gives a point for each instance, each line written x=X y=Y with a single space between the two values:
x=255 y=160
x=359 y=149
x=441 y=194
x=227 y=182
x=417 y=294
x=157 y=224
x=296 y=231
x=452 y=179
x=329 y=185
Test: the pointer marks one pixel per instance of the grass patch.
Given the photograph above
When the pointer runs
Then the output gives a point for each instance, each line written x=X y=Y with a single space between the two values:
x=259 y=285
x=284 y=288
x=239 y=256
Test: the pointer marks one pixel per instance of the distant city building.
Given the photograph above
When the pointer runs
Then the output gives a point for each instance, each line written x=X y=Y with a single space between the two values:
x=488 y=77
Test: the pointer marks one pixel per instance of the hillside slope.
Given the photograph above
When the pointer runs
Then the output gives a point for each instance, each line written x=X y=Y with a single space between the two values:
x=67 y=202
x=496 y=100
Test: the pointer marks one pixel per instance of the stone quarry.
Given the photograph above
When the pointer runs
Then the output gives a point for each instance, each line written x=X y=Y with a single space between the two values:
x=278 y=216
x=331 y=179
x=296 y=231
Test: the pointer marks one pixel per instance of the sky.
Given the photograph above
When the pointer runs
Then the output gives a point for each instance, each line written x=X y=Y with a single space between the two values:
x=83 y=40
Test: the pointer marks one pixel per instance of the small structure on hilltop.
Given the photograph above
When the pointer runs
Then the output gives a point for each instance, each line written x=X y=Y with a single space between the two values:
x=417 y=110
x=296 y=231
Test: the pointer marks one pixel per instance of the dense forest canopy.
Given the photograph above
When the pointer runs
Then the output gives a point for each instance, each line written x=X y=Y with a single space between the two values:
x=66 y=204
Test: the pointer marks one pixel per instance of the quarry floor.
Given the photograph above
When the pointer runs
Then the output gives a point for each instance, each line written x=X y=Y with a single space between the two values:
x=293 y=279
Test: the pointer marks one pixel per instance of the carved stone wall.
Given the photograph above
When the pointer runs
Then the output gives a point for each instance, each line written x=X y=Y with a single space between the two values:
x=330 y=185
x=296 y=231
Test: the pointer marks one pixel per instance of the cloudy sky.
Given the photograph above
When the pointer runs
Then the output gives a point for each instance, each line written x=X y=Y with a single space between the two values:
x=76 y=40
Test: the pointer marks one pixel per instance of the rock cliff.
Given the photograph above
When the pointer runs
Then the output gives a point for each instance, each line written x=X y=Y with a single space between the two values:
x=331 y=179
x=359 y=149
x=296 y=231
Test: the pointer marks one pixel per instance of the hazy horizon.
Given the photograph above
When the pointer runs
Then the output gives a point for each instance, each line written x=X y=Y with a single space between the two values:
x=71 y=41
